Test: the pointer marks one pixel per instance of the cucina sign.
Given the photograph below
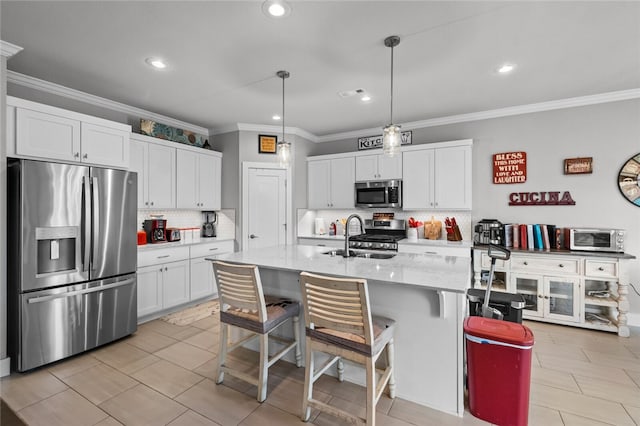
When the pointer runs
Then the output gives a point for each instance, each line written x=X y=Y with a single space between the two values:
x=544 y=198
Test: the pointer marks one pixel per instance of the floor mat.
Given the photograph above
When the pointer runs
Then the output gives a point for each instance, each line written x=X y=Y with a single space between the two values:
x=193 y=314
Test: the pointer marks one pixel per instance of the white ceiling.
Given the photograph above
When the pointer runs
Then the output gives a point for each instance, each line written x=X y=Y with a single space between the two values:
x=223 y=56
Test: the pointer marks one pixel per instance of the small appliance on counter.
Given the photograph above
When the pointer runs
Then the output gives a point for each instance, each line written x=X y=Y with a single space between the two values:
x=172 y=234
x=142 y=238
x=489 y=231
x=209 y=226
x=155 y=229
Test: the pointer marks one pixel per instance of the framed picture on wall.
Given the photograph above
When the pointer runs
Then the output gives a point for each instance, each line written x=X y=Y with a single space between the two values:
x=578 y=166
x=267 y=144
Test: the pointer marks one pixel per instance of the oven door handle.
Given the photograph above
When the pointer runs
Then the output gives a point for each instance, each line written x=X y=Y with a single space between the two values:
x=40 y=299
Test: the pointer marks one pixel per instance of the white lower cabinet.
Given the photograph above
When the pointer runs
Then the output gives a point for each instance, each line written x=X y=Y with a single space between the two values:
x=175 y=284
x=149 y=290
x=575 y=288
x=437 y=250
x=549 y=297
x=321 y=242
x=203 y=282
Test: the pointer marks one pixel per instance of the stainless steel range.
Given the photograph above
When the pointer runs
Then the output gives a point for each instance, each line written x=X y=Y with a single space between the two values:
x=380 y=235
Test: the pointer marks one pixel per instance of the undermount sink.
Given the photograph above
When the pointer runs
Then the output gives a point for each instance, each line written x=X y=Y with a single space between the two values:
x=365 y=255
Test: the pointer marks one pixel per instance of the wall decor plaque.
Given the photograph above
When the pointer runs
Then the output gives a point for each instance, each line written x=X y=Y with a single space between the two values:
x=542 y=198
x=578 y=166
x=267 y=144
x=510 y=167
x=629 y=180
x=173 y=134
x=372 y=142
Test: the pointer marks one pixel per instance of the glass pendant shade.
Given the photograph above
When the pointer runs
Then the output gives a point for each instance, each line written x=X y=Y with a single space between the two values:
x=391 y=140
x=284 y=154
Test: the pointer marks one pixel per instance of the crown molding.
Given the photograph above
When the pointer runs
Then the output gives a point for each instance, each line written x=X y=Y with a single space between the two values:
x=53 y=88
x=579 y=101
x=8 y=49
x=57 y=89
x=265 y=128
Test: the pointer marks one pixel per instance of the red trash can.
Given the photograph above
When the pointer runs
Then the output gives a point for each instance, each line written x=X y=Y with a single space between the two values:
x=498 y=370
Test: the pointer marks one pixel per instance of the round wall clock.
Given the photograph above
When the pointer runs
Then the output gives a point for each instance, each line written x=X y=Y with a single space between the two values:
x=629 y=180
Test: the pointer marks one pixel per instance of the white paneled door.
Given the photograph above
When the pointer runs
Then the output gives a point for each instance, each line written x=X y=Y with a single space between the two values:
x=267 y=207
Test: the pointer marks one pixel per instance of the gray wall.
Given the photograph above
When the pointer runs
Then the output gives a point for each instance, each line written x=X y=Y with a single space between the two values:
x=610 y=133
x=241 y=146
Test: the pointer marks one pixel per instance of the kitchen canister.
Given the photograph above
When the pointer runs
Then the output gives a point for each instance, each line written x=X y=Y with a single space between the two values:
x=320 y=226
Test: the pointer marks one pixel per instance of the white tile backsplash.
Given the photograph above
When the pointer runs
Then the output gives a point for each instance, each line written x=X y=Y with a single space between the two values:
x=306 y=219
x=185 y=219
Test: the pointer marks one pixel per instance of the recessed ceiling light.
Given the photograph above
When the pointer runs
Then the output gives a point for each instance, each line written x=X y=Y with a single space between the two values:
x=506 y=68
x=365 y=98
x=156 y=63
x=276 y=117
x=276 y=8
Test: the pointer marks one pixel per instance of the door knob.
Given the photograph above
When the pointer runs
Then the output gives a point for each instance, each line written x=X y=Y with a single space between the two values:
x=252 y=236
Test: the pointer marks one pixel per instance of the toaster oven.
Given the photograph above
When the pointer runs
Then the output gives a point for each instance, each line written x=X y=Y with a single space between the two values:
x=594 y=239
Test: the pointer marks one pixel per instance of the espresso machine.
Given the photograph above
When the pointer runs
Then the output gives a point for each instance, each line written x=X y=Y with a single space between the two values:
x=209 y=225
x=489 y=231
x=155 y=229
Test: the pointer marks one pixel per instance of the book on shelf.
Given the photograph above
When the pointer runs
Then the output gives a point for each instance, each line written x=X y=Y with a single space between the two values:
x=530 y=237
x=551 y=230
x=545 y=236
x=523 y=237
x=537 y=233
x=516 y=235
x=559 y=238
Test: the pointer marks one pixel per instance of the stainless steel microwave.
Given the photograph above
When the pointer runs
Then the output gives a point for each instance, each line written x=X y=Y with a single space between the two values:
x=590 y=239
x=380 y=193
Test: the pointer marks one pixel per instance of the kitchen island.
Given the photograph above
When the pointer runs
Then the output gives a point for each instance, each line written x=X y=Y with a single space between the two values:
x=425 y=294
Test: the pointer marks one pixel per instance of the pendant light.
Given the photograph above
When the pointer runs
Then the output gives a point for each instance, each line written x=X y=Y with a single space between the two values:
x=391 y=133
x=284 y=148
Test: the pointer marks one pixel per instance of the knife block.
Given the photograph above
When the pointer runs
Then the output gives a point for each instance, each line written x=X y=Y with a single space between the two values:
x=455 y=235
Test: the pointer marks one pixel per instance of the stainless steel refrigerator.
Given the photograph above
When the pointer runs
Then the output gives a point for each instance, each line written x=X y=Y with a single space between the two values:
x=71 y=254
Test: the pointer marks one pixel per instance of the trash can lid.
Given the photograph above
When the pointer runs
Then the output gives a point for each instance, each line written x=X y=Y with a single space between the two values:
x=501 y=331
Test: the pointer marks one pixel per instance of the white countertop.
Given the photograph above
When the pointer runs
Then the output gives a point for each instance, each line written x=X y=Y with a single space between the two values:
x=447 y=273
x=150 y=246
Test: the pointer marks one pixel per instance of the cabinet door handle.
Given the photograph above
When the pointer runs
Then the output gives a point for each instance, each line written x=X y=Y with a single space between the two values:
x=600 y=268
x=166 y=268
x=162 y=257
x=215 y=248
x=85 y=156
x=525 y=263
x=76 y=155
x=146 y=203
x=560 y=265
x=546 y=297
x=539 y=296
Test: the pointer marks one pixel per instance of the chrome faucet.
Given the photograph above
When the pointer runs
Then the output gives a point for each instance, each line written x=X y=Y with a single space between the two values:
x=346 y=232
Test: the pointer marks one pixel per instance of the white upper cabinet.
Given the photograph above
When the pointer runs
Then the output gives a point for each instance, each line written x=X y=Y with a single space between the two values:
x=378 y=167
x=104 y=145
x=156 y=167
x=330 y=183
x=50 y=133
x=437 y=176
x=198 y=180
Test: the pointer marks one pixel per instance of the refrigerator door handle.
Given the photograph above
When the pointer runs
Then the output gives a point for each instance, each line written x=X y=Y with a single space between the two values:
x=95 y=222
x=40 y=299
x=86 y=219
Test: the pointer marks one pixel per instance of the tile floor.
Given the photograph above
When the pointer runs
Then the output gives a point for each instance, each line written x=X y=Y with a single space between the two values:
x=163 y=375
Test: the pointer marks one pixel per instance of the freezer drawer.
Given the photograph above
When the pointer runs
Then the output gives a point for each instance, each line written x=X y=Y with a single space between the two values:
x=65 y=321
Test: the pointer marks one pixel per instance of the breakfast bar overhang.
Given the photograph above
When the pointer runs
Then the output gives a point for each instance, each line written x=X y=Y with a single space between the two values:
x=425 y=294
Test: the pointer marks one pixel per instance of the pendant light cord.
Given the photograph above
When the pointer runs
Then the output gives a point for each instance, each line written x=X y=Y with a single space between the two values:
x=391 y=122
x=283 y=77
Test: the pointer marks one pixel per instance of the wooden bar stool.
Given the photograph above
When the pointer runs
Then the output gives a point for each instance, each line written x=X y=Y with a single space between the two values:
x=338 y=322
x=243 y=305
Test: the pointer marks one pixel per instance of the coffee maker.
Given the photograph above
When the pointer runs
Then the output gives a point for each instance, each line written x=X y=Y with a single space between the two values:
x=489 y=231
x=209 y=226
x=155 y=229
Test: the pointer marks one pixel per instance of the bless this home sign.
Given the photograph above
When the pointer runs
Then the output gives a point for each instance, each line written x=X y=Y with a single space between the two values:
x=511 y=167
